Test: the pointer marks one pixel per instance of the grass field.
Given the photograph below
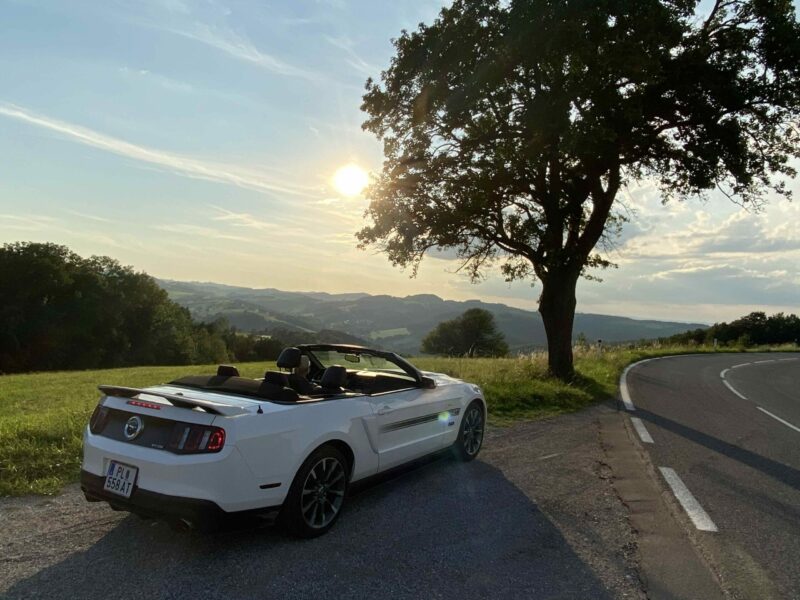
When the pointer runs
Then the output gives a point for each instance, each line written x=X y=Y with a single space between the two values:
x=42 y=415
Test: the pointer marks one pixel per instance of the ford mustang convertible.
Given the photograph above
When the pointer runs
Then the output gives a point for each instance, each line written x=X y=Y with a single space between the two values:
x=200 y=447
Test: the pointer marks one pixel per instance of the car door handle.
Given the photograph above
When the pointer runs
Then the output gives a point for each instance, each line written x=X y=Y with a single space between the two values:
x=384 y=410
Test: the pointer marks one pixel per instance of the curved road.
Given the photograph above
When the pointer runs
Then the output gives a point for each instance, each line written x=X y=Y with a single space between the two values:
x=728 y=425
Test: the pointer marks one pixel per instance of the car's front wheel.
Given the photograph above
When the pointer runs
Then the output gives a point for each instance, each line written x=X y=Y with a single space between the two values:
x=470 y=434
x=317 y=494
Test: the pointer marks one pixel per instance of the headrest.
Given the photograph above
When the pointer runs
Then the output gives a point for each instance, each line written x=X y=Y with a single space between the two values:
x=227 y=371
x=334 y=377
x=289 y=358
x=276 y=378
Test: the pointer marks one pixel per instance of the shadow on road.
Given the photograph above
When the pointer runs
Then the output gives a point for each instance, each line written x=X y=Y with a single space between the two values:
x=783 y=473
x=442 y=530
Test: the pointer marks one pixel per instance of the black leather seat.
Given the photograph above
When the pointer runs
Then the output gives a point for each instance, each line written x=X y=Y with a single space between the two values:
x=276 y=378
x=301 y=385
x=227 y=371
x=333 y=380
x=290 y=358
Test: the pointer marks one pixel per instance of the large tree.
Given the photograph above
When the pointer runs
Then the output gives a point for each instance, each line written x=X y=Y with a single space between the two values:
x=509 y=128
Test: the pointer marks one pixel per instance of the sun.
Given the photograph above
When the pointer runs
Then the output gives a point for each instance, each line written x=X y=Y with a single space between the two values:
x=350 y=180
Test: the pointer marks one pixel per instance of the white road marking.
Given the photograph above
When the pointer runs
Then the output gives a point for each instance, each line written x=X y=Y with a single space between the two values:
x=731 y=388
x=739 y=365
x=759 y=362
x=689 y=503
x=623 y=381
x=623 y=388
x=644 y=435
x=728 y=385
x=777 y=418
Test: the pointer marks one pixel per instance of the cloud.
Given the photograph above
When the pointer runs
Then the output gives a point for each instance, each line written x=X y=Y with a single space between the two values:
x=743 y=234
x=167 y=83
x=200 y=232
x=26 y=222
x=241 y=48
x=182 y=165
x=354 y=60
x=86 y=216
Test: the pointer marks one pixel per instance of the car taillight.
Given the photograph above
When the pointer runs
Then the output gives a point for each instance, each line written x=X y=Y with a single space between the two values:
x=195 y=439
x=99 y=419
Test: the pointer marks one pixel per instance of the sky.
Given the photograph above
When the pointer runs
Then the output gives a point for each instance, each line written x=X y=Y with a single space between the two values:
x=197 y=140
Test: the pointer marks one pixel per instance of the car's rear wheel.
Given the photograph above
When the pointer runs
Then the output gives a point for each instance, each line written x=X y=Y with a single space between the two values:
x=470 y=434
x=317 y=494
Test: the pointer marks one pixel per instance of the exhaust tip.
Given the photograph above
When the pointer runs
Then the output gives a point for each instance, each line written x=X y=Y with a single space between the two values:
x=181 y=525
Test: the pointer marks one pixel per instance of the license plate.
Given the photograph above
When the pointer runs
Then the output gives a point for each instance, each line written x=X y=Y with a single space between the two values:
x=120 y=479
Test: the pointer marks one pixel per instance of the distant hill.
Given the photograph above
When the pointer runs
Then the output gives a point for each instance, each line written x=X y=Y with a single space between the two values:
x=388 y=321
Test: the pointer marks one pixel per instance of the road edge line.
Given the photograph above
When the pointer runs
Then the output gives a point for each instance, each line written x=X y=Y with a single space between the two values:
x=693 y=508
x=644 y=435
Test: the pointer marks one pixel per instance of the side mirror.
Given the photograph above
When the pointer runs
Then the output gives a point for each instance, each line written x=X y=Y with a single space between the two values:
x=353 y=358
x=427 y=383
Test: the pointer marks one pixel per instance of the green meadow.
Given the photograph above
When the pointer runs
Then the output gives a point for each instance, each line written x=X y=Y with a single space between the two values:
x=42 y=415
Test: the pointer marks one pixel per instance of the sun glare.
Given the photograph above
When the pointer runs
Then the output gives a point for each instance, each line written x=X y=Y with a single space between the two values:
x=350 y=180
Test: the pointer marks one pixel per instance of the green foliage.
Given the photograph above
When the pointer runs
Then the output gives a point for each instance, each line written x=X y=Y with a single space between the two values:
x=474 y=333
x=509 y=127
x=753 y=329
x=61 y=311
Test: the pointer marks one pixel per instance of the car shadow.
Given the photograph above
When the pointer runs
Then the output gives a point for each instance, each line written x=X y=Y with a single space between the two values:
x=782 y=472
x=442 y=529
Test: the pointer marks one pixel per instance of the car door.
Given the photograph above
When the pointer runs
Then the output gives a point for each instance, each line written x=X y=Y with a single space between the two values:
x=411 y=423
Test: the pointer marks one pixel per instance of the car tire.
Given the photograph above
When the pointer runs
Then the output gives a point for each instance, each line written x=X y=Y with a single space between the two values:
x=317 y=494
x=470 y=432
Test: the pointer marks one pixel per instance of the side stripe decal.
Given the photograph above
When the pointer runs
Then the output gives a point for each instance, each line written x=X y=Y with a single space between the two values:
x=410 y=422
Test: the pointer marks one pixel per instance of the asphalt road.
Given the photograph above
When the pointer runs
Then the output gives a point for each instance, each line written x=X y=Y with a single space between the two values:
x=536 y=516
x=729 y=426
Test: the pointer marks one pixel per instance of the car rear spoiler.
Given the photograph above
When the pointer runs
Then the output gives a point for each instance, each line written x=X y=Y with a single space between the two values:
x=181 y=401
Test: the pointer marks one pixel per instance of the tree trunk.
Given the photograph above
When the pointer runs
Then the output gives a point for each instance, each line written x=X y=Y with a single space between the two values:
x=557 y=307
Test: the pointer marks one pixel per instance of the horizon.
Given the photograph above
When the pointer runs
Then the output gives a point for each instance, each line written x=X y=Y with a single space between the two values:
x=210 y=145
x=422 y=294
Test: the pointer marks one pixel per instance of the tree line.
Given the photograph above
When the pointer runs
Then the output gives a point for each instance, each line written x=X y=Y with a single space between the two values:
x=755 y=329
x=59 y=310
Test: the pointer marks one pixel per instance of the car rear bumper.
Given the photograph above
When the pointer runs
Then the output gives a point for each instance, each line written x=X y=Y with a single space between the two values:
x=152 y=504
x=183 y=483
x=200 y=514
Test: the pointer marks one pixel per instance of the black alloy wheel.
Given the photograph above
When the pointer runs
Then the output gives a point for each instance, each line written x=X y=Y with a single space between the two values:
x=470 y=435
x=317 y=495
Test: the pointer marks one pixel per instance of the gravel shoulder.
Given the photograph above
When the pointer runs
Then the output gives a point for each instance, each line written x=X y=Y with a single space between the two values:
x=536 y=516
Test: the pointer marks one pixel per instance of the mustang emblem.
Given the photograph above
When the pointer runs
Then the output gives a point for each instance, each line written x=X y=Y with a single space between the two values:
x=133 y=427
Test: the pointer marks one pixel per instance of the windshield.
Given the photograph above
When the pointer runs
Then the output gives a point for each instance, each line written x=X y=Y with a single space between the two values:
x=361 y=361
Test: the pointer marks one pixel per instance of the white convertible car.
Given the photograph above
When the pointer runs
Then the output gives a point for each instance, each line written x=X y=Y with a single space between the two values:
x=200 y=447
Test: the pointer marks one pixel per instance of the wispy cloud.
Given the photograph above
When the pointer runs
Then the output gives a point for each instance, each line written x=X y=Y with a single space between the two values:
x=187 y=166
x=26 y=222
x=277 y=226
x=241 y=48
x=200 y=232
x=353 y=58
x=166 y=82
x=85 y=216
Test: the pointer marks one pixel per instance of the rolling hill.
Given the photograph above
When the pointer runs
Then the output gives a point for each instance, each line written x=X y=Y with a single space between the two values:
x=388 y=321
